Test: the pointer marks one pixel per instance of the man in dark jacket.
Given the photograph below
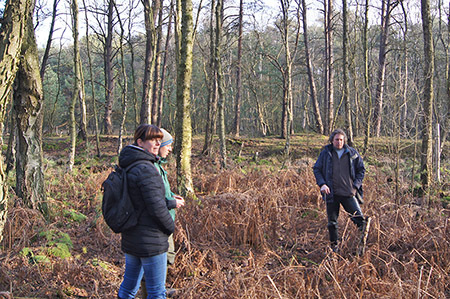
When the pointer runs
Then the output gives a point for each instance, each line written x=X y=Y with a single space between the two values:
x=339 y=172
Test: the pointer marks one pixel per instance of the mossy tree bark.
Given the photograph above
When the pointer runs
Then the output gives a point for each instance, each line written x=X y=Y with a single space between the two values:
x=427 y=141
x=11 y=37
x=28 y=103
x=183 y=141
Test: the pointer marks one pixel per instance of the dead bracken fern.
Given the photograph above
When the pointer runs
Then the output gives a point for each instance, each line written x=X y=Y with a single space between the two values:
x=254 y=232
x=263 y=235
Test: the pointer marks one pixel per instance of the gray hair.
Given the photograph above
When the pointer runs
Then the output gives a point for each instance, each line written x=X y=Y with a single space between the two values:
x=338 y=132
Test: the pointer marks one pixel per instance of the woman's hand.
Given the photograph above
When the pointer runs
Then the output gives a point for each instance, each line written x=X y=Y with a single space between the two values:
x=179 y=200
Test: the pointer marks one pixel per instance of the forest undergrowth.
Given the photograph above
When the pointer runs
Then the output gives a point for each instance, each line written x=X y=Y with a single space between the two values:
x=257 y=230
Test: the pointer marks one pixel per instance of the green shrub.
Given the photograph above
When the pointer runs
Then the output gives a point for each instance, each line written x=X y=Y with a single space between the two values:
x=74 y=215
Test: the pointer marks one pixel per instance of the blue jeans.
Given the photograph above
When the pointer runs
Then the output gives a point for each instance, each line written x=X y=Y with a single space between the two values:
x=350 y=205
x=153 y=268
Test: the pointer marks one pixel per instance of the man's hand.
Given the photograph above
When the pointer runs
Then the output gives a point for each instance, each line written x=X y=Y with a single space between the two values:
x=180 y=201
x=324 y=189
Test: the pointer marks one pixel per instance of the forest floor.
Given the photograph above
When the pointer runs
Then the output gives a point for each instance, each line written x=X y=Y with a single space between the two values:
x=257 y=229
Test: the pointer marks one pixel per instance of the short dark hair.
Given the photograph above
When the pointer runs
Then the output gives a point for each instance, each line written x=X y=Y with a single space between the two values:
x=147 y=132
x=338 y=132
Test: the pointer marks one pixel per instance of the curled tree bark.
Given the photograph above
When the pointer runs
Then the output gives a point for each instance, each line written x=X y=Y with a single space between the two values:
x=12 y=33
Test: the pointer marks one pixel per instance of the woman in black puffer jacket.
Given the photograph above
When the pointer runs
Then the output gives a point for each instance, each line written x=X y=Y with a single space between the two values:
x=145 y=245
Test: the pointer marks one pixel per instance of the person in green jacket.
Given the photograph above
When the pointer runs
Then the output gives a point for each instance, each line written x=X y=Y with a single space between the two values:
x=173 y=201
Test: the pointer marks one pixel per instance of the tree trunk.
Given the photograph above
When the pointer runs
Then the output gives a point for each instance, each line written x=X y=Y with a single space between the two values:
x=164 y=67
x=212 y=90
x=157 y=65
x=309 y=68
x=150 y=13
x=109 y=74
x=379 y=92
x=348 y=111
x=427 y=141
x=287 y=77
x=329 y=68
x=237 y=111
x=91 y=76
x=78 y=89
x=220 y=83
x=183 y=142
x=28 y=105
x=366 y=78
x=78 y=76
x=11 y=151
x=124 y=99
x=49 y=40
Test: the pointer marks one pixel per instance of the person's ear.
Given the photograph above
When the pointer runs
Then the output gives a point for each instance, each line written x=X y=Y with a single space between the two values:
x=139 y=142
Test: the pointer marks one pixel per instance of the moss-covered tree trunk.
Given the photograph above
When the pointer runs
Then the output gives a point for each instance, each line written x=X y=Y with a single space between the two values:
x=11 y=37
x=427 y=141
x=28 y=103
x=183 y=138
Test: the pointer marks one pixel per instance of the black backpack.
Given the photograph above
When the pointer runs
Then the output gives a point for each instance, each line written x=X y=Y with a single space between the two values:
x=117 y=208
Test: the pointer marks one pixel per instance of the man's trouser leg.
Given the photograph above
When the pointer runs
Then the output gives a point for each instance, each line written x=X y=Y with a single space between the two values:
x=352 y=207
x=333 y=214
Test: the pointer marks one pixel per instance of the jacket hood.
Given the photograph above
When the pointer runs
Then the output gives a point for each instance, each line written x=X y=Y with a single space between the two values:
x=133 y=153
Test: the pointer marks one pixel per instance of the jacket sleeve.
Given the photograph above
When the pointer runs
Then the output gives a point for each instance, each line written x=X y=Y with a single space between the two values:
x=171 y=203
x=318 y=169
x=360 y=170
x=152 y=190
